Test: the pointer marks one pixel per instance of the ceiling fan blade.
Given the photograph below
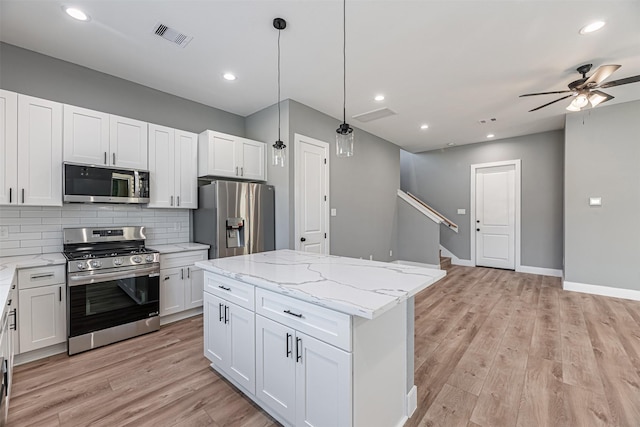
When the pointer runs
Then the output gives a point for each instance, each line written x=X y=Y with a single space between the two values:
x=599 y=75
x=549 y=103
x=625 y=81
x=545 y=93
x=597 y=97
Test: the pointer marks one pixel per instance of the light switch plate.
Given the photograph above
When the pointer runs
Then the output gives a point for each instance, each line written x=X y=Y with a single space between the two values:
x=334 y=212
x=462 y=211
x=595 y=201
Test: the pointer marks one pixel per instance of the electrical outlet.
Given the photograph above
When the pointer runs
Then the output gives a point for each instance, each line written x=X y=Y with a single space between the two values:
x=4 y=232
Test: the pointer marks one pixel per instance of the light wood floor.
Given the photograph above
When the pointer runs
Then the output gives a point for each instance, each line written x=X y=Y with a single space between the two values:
x=493 y=348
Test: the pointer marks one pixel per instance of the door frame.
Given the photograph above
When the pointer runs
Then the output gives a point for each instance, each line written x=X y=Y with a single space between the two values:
x=297 y=140
x=472 y=217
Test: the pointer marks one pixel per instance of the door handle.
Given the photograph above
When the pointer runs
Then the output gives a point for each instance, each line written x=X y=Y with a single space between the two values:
x=303 y=239
x=219 y=312
x=226 y=314
x=299 y=350
x=289 y=351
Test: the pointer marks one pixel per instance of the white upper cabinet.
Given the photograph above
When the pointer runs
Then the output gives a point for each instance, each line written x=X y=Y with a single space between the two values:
x=39 y=161
x=96 y=138
x=224 y=155
x=172 y=166
x=128 y=143
x=8 y=147
x=86 y=136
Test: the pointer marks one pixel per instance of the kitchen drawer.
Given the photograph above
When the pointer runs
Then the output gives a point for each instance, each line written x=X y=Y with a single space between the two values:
x=322 y=323
x=182 y=259
x=231 y=290
x=41 y=276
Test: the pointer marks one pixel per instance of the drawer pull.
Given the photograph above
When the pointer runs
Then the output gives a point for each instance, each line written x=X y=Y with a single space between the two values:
x=293 y=314
x=41 y=276
x=224 y=288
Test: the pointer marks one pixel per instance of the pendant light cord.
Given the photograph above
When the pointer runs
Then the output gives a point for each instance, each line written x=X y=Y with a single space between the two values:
x=279 y=32
x=344 y=61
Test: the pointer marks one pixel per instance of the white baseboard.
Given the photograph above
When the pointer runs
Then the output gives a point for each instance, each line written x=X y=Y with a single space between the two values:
x=539 y=270
x=40 y=353
x=454 y=259
x=412 y=401
x=601 y=290
x=415 y=264
x=165 y=320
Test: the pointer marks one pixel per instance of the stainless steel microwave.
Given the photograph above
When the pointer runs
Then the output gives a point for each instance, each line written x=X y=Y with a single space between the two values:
x=93 y=184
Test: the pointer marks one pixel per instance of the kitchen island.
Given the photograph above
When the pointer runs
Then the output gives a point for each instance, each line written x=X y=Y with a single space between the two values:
x=315 y=339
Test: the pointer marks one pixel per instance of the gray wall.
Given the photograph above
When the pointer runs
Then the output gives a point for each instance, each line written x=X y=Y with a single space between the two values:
x=442 y=179
x=363 y=187
x=263 y=126
x=418 y=235
x=602 y=244
x=34 y=74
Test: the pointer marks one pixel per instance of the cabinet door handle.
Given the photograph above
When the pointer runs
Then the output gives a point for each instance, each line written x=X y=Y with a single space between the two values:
x=299 y=350
x=226 y=314
x=14 y=312
x=105 y=157
x=241 y=171
x=60 y=293
x=181 y=274
x=188 y=272
x=289 y=351
x=178 y=198
x=166 y=278
x=23 y=195
x=219 y=312
x=293 y=314
x=236 y=171
x=114 y=159
x=9 y=302
x=171 y=200
x=224 y=288
x=10 y=194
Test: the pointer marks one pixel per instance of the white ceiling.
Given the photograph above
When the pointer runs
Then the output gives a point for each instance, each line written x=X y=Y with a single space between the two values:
x=445 y=63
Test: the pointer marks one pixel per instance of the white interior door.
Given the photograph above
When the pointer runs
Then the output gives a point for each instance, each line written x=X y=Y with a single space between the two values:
x=311 y=195
x=495 y=216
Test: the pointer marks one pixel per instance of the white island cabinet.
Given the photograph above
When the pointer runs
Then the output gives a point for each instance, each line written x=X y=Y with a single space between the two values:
x=315 y=340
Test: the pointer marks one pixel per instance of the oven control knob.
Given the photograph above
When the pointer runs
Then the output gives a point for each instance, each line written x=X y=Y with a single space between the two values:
x=149 y=258
x=81 y=266
x=117 y=261
x=96 y=264
x=136 y=258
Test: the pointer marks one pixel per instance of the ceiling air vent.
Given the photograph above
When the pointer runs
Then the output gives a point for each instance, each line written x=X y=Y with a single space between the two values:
x=172 y=35
x=374 y=115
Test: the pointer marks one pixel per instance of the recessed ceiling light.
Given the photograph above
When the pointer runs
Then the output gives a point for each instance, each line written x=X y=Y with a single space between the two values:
x=451 y=144
x=76 y=13
x=490 y=135
x=590 y=28
x=229 y=76
x=379 y=98
x=425 y=126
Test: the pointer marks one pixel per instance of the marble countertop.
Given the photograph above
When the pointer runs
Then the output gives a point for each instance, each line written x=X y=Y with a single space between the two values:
x=9 y=265
x=354 y=286
x=179 y=247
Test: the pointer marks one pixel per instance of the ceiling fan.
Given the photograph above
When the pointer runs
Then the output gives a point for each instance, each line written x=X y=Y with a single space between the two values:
x=585 y=90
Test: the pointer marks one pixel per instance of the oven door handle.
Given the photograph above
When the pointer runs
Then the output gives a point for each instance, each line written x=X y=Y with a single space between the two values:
x=87 y=279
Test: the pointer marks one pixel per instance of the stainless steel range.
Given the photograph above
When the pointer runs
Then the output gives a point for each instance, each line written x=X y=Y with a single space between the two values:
x=113 y=286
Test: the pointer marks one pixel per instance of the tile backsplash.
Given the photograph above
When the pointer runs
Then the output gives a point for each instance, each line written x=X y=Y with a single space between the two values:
x=28 y=230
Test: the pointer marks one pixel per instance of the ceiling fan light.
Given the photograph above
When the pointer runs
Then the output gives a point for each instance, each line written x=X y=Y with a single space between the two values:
x=580 y=101
x=572 y=107
x=596 y=99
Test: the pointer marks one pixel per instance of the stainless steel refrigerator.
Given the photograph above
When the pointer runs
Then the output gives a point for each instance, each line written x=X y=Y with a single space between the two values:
x=235 y=218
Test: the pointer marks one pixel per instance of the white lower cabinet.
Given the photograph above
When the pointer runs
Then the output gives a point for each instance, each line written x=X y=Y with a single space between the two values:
x=229 y=332
x=306 y=381
x=181 y=283
x=42 y=311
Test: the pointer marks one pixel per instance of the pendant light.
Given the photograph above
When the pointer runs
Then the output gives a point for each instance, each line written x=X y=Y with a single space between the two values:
x=344 y=133
x=278 y=155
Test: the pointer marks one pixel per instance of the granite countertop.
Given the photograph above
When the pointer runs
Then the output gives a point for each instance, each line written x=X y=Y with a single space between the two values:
x=179 y=247
x=354 y=286
x=9 y=265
